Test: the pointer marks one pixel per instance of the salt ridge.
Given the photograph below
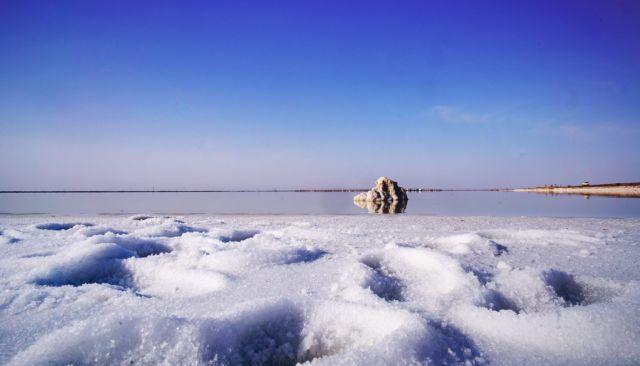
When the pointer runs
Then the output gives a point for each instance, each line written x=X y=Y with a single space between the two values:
x=326 y=290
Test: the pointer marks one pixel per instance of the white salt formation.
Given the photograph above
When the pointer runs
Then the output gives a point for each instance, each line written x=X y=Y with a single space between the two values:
x=385 y=190
x=327 y=290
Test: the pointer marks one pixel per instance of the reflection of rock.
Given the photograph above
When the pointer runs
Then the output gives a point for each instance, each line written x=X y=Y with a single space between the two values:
x=386 y=197
x=383 y=207
x=386 y=190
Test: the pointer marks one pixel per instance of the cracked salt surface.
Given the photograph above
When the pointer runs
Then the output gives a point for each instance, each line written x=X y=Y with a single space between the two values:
x=327 y=290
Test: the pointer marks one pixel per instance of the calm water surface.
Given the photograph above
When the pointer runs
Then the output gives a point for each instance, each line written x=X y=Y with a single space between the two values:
x=425 y=203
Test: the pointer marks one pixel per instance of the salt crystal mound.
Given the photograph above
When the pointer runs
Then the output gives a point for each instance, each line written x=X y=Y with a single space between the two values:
x=385 y=190
x=323 y=290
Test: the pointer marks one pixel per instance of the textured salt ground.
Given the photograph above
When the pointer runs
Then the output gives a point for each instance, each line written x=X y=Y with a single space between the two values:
x=329 y=290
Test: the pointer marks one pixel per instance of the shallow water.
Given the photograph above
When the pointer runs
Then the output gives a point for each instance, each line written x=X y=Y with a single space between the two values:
x=425 y=203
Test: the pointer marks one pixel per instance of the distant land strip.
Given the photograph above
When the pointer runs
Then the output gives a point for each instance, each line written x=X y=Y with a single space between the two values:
x=608 y=189
x=242 y=190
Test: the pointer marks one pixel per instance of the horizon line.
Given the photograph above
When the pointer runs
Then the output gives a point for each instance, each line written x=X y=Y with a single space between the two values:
x=300 y=190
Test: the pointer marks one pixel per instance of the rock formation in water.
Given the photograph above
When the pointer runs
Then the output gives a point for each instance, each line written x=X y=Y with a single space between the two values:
x=392 y=207
x=386 y=190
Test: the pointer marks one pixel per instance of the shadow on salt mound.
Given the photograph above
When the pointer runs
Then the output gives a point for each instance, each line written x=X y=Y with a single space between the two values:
x=38 y=255
x=303 y=256
x=521 y=290
x=61 y=226
x=455 y=349
x=116 y=339
x=529 y=291
x=565 y=287
x=100 y=263
x=498 y=249
x=493 y=299
x=583 y=293
x=141 y=217
x=98 y=260
x=238 y=235
x=169 y=229
x=280 y=334
x=267 y=335
x=142 y=247
x=539 y=237
x=238 y=260
x=284 y=256
x=382 y=282
x=496 y=301
x=604 y=334
x=97 y=230
x=339 y=331
x=434 y=280
x=7 y=239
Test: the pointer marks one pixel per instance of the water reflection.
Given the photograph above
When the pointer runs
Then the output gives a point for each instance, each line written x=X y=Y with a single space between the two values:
x=459 y=203
x=393 y=207
x=587 y=195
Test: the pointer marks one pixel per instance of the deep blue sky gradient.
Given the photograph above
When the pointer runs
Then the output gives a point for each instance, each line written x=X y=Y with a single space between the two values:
x=286 y=94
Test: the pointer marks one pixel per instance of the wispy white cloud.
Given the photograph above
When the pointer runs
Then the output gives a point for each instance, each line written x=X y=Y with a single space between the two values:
x=581 y=132
x=452 y=114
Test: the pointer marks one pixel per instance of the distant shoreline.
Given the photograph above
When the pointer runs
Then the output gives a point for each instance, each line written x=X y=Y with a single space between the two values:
x=610 y=189
x=246 y=190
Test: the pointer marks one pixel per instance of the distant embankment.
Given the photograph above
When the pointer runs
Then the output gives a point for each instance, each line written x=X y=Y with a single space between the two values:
x=610 y=189
x=301 y=190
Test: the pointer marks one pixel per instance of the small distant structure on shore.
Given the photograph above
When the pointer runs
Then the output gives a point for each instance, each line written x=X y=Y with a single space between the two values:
x=585 y=183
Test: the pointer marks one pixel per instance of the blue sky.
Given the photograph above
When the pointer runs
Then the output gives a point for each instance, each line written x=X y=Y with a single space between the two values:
x=284 y=94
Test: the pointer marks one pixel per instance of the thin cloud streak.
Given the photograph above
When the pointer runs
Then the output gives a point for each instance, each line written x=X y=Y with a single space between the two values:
x=586 y=132
x=453 y=114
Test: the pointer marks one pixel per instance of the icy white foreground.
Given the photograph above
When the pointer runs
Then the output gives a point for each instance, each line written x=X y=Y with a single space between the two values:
x=352 y=290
